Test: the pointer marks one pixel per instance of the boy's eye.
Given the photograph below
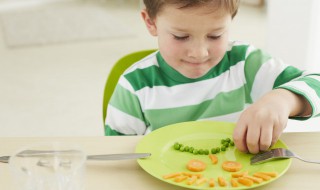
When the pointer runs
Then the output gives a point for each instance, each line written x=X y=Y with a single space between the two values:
x=180 y=37
x=214 y=37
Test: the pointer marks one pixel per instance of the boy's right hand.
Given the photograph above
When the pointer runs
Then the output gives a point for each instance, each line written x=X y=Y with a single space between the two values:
x=261 y=125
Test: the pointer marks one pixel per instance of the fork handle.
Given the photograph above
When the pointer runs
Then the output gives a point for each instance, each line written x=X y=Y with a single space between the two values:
x=309 y=161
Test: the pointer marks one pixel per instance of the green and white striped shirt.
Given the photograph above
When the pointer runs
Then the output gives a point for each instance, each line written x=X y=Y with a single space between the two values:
x=151 y=94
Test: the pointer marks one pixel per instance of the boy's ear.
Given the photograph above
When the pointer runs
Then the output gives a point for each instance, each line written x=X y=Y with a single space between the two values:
x=151 y=26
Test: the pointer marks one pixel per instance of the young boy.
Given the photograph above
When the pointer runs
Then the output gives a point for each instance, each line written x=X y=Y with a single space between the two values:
x=198 y=74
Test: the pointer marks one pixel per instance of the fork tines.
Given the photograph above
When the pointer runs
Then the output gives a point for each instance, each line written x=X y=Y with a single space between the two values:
x=263 y=157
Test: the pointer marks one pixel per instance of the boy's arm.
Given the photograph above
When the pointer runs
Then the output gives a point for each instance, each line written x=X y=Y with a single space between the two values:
x=124 y=114
x=277 y=91
x=261 y=125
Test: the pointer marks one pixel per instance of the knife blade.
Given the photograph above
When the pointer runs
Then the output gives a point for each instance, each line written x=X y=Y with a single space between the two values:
x=125 y=156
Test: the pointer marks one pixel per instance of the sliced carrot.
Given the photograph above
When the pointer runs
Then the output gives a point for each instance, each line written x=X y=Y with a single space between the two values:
x=254 y=179
x=214 y=159
x=231 y=166
x=222 y=182
x=180 y=178
x=198 y=175
x=234 y=183
x=201 y=181
x=262 y=176
x=192 y=180
x=239 y=174
x=211 y=182
x=171 y=175
x=245 y=181
x=271 y=174
x=196 y=166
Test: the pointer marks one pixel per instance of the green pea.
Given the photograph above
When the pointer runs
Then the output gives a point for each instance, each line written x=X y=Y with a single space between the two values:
x=223 y=148
x=228 y=140
x=218 y=149
x=195 y=151
x=176 y=146
x=226 y=144
x=231 y=143
x=182 y=149
x=214 y=151
x=223 y=141
x=206 y=152
x=201 y=152
x=186 y=149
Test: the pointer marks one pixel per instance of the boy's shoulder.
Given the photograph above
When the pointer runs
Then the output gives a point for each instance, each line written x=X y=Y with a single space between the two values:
x=148 y=61
x=237 y=44
x=240 y=48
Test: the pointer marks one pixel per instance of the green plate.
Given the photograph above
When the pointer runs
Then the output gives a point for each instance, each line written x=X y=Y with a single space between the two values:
x=205 y=135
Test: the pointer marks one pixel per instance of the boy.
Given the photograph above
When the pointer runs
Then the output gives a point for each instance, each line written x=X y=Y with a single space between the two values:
x=197 y=74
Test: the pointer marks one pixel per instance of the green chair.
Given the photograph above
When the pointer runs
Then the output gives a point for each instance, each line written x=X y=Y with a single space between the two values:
x=119 y=67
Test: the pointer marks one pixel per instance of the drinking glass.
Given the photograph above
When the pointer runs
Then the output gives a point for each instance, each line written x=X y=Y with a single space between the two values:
x=49 y=166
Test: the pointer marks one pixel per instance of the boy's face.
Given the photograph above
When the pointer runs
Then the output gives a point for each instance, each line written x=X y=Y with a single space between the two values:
x=191 y=40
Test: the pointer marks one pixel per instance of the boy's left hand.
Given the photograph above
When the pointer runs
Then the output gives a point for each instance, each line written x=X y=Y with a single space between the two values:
x=261 y=125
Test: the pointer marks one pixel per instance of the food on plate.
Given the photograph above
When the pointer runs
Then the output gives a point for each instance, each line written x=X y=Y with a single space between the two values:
x=196 y=165
x=213 y=158
x=262 y=176
x=211 y=182
x=239 y=174
x=171 y=175
x=180 y=178
x=222 y=182
x=198 y=175
x=254 y=179
x=236 y=179
x=201 y=181
x=192 y=180
x=224 y=144
x=234 y=183
x=231 y=166
x=245 y=181
x=271 y=174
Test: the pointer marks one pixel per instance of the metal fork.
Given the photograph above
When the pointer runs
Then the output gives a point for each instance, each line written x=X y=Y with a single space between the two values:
x=277 y=153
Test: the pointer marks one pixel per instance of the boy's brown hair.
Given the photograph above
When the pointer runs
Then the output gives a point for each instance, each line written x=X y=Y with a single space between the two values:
x=154 y=6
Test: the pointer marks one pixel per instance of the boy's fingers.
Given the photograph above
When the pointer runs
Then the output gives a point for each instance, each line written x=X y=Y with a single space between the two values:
x=266 y=137
x=239 y=137
x=253 y=138
x=276 y=134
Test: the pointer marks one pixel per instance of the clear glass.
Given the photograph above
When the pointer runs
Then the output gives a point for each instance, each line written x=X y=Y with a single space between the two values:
x=49 y=166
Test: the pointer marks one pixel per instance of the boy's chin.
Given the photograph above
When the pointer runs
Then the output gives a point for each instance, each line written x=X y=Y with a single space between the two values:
x=194 y=75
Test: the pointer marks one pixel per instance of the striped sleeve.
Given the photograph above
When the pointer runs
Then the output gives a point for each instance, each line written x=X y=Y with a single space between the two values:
x=264 y=73
x=308 y=86
x=124 y=112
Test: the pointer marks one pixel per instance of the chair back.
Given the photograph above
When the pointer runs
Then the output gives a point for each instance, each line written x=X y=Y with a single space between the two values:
x=118 y=68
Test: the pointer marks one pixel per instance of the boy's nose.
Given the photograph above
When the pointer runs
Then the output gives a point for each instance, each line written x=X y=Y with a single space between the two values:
x=198 y=52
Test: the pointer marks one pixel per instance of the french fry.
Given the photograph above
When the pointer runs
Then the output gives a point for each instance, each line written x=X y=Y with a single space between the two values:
x=239 y=174
x=213 y=158
x=262 y=176
x=271 y=174
x=222 y=182
x=180 y=178
x=254 y=179
x=171 y=175
x=245 y=181
x=192 y=180
x=201 y=181
x=211 y=182
x=234 y=183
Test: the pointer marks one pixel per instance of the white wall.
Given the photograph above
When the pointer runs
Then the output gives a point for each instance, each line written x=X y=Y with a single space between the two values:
x=293 y=29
